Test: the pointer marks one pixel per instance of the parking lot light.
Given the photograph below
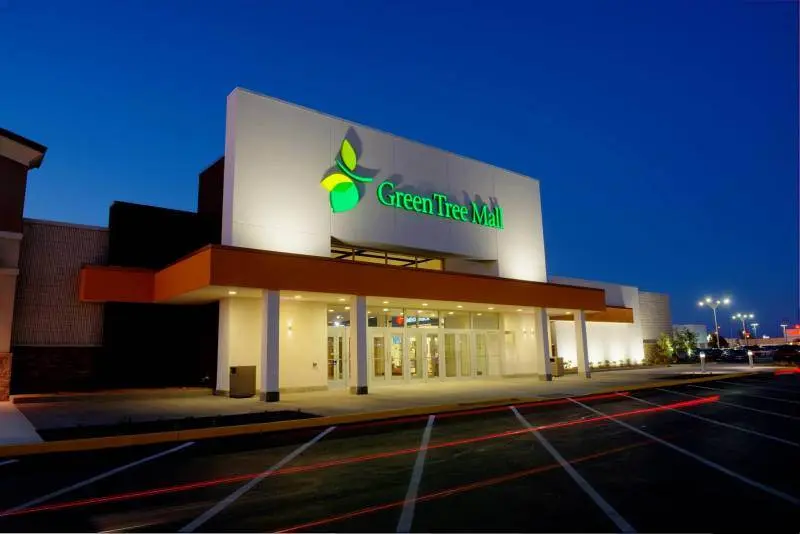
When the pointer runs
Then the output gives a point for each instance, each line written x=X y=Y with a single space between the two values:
x=784 y=325
x=714 y=303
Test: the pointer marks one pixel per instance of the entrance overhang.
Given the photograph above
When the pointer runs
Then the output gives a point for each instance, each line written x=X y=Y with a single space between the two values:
x=209 y=273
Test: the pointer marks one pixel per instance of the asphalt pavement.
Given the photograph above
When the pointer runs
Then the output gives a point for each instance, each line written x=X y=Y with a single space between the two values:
x=715 y=456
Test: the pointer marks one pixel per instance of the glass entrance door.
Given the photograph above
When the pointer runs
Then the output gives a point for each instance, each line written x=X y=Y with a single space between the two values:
x=416 y=356
x=376 y=352
x=337 y=355
x=432 y=361
x=396 y=359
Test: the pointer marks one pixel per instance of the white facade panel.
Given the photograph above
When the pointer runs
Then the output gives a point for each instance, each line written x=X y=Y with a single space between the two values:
x=277 y=155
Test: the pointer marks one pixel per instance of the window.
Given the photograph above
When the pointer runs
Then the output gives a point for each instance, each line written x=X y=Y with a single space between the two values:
x=340 y=251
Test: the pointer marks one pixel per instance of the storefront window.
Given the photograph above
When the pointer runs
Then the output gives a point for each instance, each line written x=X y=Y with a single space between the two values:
x=422 y=318
x=455 y=319
x=486 y=321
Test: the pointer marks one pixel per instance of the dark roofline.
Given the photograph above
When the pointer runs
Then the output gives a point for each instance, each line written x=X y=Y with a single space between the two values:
x=23 y=140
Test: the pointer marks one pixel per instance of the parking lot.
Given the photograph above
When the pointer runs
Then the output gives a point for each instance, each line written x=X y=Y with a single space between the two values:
x=711 y=456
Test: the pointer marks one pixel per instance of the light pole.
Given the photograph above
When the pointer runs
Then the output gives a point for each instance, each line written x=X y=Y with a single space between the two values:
x=754 y=326
x=743 y=317
x=784 y=325
x=714 y=303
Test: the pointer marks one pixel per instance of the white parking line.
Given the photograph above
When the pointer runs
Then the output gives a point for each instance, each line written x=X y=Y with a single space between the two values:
x=8 y=462
x=763 y=487
x=101 y=476
x=748 y=408
x=609 y=510
x=720 y=423
x=407 y=516
x=744 y=394
x=230 y=499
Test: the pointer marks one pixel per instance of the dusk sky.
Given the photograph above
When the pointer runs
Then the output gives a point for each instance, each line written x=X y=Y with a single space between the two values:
x=664 y=133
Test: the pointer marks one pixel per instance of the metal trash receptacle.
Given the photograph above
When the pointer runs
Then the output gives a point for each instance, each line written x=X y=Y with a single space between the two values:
x=243 y=382
x=558 y=367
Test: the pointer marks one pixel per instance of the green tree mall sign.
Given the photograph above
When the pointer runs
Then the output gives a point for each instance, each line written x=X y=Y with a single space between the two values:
x=345 y=195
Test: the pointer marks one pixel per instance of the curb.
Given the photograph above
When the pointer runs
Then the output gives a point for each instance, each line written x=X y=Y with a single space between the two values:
x=89 y=444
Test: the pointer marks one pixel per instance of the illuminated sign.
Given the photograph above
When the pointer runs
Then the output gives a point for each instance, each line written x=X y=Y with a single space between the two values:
x=439 y=205
x=345 y=195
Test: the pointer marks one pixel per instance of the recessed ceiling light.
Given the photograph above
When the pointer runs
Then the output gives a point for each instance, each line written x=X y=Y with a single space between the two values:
x=386 y=309
x=386 y=302
x=331 y=310
x=341 y=300
x=338 y=316
x=449 y=313
x=368 y=312
x=424 y=303
x=231 y=292
x=298 y=296
x=480 y=314
x=347 y=307
x=519 y=309
x=491 y=308
x=419 y=311
x=459 y=306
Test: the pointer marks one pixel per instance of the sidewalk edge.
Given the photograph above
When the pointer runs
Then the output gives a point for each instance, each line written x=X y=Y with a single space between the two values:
x=89 y=444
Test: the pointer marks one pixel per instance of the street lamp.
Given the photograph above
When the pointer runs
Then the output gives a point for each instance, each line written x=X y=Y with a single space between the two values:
x=714 y=303
x=755 y=329
x=743 y=317
x=784 y=325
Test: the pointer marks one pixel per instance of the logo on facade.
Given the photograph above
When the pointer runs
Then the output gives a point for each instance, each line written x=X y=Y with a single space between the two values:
x=342 y=186
x=341 y=183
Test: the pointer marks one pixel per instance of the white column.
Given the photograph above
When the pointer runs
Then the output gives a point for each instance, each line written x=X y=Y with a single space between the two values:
x=358 y=344
x=582 y=353
x=223 y=385
x=545 y=368
x=270 y=344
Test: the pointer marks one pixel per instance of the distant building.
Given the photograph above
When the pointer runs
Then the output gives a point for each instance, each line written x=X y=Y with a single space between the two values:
x=700 y=331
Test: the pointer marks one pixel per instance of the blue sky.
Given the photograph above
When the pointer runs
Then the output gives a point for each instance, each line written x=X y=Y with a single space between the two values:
x=664 y=132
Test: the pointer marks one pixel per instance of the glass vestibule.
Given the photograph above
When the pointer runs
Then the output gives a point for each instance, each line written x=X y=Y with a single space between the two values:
x=408 y=345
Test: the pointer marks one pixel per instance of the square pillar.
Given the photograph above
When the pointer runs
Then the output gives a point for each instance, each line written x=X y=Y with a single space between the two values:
x=542 y=324
x=270 y=344
x=582 y=353
x=358 y=345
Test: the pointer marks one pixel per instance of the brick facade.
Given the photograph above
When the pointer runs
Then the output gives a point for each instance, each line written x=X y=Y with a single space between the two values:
x=5 y=376
x=47 y=311
x=56 y=339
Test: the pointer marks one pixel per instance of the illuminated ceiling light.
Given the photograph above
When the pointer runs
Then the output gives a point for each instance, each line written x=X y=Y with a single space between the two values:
x=419 y=311
x=368 y=312
x=331 y=310
x=424 y=303
x=347 y=307
x=231 y=292
x=459 y=306
x=491 y=308
x=342 y=300
x=386 y=302
x=449 y=313
x=298 y=296
x=386 y=309
x=338 y=316
x=480 y=314
x=519 y=309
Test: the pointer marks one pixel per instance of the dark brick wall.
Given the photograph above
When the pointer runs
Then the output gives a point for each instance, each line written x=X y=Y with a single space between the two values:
x=53 y=369
x=47 y=311
x=209 y=198
x=151 y=237
x=154 y=345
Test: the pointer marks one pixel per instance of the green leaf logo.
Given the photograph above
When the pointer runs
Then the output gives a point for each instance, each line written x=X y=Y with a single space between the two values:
x=349 y=155
x=341 y=186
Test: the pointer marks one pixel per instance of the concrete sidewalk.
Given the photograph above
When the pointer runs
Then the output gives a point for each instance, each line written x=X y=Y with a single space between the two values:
x=15 y=429
x=172 y=404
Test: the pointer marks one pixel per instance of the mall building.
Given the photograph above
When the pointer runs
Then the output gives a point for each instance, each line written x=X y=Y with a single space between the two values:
x=323 y=254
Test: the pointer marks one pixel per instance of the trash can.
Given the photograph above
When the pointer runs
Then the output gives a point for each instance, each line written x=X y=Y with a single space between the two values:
x=243 y=382
x=558 y=367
